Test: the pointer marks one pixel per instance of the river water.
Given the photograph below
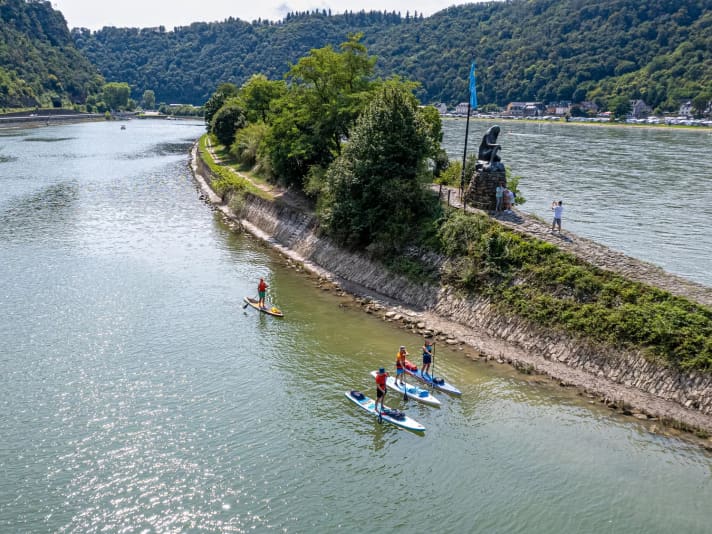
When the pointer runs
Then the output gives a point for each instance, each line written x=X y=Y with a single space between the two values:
x=646 y=192
x=136 y=394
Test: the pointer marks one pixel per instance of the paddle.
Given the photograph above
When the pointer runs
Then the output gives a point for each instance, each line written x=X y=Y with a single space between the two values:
x=405 y=386
x=432 y=367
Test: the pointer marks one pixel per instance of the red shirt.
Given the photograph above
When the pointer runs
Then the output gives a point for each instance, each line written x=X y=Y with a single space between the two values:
x=381 y=380
x=262 y=286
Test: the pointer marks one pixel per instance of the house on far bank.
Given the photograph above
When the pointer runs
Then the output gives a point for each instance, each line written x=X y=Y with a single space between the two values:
x=461 y=108
x=639 y=109
x=442 y=108
x=685 y=109
x=559 y=108
x=525 y=109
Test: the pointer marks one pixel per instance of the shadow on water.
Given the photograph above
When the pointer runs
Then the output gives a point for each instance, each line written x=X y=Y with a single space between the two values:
x=47 y=139
x=162 y=149
x=50 y=208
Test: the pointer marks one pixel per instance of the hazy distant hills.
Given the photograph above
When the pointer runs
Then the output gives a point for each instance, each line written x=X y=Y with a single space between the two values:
x=544 y=50
x=658 y=50
x=39 y=64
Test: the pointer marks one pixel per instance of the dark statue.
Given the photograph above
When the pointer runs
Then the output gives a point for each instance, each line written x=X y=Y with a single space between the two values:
x=487 y=155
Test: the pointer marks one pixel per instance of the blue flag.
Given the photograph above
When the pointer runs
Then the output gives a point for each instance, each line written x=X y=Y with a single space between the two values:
x=473 y=89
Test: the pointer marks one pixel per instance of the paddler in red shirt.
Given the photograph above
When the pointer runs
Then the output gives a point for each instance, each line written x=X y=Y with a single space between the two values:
x=262 y=292
x=381 y=377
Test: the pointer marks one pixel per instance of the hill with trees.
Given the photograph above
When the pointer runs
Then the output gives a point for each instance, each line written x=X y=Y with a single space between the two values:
x=39 y=64
x=531 y=50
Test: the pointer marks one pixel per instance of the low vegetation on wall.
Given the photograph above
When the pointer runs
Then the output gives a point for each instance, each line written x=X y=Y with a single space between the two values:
x=223 y=181
x=536 y=280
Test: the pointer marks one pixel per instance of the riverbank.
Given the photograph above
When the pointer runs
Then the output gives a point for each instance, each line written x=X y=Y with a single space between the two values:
x=46 y=117
x=625 y=381
x=704 y=128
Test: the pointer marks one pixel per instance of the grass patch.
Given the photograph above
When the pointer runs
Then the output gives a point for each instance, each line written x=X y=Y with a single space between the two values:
x=225 y=179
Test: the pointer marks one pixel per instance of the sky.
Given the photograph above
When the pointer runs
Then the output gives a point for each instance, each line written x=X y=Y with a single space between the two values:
x=95 y=14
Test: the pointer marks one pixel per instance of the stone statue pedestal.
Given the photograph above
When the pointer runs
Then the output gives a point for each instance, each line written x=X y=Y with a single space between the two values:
x=481 y=192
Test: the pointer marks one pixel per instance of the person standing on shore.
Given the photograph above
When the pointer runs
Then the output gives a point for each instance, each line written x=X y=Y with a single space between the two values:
x=498 y=197
x=505 y=200
x=510 y=200
x=558 y=210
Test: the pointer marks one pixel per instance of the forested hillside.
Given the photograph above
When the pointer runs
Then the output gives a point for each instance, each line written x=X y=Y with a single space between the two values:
x=39 y=64
x=659 y=50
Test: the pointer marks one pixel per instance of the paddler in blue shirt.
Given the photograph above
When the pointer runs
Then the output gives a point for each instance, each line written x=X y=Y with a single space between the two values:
x=427 y=356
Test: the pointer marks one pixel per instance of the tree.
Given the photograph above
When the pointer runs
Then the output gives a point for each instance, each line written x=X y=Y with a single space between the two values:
x=701 y=102
x=116 y=95
x=257 y=94
x=217 y=99
x=328 y=91
x=620 y=107
x=227 y=121
x=149 y=99
x=247 y=143
x=376 y=189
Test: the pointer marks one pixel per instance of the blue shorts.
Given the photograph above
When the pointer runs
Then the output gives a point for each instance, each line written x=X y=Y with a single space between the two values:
x=399 y=371
x=427 y=359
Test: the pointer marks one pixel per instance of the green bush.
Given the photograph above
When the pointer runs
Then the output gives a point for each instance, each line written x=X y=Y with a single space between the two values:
x=537 y=281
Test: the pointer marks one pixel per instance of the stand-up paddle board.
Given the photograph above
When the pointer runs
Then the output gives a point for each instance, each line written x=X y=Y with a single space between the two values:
x=394 y=417
x=269 y=310
x=434 y=381
x=413 y=392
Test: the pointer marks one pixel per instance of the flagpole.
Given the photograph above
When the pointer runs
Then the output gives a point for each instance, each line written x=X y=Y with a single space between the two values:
x=471 y=103
x=464 y=159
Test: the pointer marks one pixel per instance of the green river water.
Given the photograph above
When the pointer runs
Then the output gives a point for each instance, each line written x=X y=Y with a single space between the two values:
x=136 y=394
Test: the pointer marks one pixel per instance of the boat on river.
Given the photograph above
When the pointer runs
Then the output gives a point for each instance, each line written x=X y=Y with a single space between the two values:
x=411 y=391
x=395 y=417
x=433 y=381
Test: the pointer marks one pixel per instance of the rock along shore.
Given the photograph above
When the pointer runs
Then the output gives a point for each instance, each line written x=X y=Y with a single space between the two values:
x=623 y=380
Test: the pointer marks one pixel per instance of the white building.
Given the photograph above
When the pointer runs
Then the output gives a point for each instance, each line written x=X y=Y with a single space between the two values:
x=461 y=108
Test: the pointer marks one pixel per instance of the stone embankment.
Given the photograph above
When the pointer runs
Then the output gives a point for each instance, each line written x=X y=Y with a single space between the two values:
x=622 y=379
